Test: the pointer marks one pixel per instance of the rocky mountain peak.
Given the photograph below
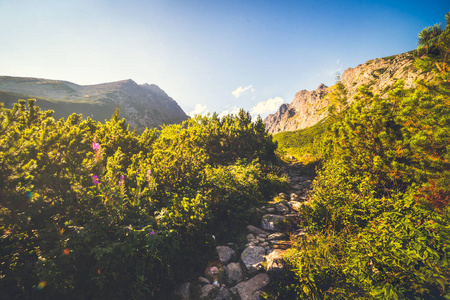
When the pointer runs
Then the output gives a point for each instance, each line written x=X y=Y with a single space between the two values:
x=309 y=107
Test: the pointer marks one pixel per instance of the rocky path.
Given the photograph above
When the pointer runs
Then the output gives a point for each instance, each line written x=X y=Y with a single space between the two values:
x=241 y=275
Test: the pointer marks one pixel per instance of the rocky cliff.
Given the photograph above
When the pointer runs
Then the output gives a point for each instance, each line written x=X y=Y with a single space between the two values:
x=142 y=105
x=309 y=107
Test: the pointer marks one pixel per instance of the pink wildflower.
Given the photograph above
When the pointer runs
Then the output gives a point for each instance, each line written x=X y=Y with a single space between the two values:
x=95 y=179
x=95 y=146
x=214 y=270
x=122 y=180
x=152 y=232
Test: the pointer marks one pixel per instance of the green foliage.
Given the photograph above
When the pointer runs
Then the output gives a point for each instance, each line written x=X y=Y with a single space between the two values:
x=91 y=210
x=379 y=216
x=428 y=37
x=304 y=144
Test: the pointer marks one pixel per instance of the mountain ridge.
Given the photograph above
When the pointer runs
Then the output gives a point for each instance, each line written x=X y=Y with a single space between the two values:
x=145 y=105
x=310 y=107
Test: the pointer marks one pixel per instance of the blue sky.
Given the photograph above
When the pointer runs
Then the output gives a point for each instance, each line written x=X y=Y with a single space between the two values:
x=208 y=55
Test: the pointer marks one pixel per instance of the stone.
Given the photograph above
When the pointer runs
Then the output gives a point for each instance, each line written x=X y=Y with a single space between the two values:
x=294 y=197
x=234 y=292
x=184 y=290
x=208 y=291
x=297 y=187
x=283 y=196
x=225 y=253
x=264 y=244
x=270 y=209
x=250 y=289
x=224 y=294
x=299 y=233
x=234 y=273
x=256 y=230
x=203 y=280
x=275 y=262
x=295 y=205
x=307 y=183
x=282 y=208
x=250 y=237
x=264 y=236
x=252 y=257
x=277 y=236
x=276 y=222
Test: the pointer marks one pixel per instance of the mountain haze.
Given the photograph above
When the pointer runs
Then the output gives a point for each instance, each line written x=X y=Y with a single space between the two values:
x=143 y=105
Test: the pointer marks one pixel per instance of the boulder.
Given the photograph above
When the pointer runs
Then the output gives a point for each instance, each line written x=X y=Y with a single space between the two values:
x=183 y=290
x=270 y=209
x=295 y=205
x=277 y=236
x=252 y=257
x=307 y=183
x=294 y=197
x=234 y=273
x=208 y=291
x=224 y=294
x=297 y=187
x=282 y=208
x=298 y=233
x=276 y=222
x=250 y=290
x=275 y=261
x=283 y=196
x=256 y=230
x=203 y=280
x=225 y=253
x=250 y=237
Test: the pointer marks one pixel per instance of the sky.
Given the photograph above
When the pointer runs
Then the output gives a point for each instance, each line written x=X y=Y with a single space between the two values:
x=209 y=56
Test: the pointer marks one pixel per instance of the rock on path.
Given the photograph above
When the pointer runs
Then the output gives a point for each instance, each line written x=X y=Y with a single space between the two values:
x=267 y=244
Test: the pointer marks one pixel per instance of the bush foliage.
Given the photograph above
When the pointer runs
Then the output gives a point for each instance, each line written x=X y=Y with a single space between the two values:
x=379 y=219
x=95 y=211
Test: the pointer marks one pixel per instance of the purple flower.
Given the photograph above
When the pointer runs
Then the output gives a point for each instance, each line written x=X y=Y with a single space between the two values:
x=152 y=232
x=149 y=173
x=122 y=180
x=95 y=146
x=95 y=179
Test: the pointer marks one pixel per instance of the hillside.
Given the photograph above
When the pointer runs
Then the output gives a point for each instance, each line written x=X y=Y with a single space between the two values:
x=142 y=105
x=309 y=107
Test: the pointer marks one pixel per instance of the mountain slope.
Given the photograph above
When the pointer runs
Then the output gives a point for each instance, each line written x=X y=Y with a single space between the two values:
x=309 y=107
x=142 y=105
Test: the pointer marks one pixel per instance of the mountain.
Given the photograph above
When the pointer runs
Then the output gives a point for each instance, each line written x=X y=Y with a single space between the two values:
x=142 y=106
x=309 y=107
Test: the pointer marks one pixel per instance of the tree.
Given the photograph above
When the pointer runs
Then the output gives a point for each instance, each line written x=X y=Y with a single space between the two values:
x=428 y=37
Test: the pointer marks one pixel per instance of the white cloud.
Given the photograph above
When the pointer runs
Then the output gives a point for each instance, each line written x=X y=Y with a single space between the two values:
x=234 y=110
x=198 y=110
x=335 y=70
x=264 y=108
x=240 y=90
